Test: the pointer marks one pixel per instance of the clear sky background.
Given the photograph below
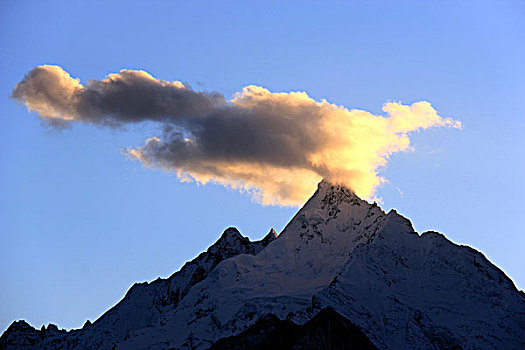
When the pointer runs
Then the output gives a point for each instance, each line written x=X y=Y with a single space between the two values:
x=79 y=224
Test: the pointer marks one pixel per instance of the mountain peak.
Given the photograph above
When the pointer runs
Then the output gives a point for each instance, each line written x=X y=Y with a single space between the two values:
x=332 y=185
x=330 y=194
x=231 y=233
x=334 y=201
x=270 y=236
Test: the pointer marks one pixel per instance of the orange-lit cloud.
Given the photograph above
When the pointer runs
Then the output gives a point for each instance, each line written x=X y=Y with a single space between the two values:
x=274 y=146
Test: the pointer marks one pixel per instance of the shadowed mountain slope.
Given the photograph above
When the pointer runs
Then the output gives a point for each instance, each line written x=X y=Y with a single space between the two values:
x=326 y=330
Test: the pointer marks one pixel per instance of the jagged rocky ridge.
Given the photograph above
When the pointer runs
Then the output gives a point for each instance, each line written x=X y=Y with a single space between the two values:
x=402 y=289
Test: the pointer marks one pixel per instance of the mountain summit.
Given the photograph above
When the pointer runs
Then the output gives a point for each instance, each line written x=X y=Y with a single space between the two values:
x=381 y=280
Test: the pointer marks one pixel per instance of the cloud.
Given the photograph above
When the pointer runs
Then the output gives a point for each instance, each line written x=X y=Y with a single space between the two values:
x=274 y=146
x=127 y=97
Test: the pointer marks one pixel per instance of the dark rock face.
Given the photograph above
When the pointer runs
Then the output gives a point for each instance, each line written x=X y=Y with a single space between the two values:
x=327 y=330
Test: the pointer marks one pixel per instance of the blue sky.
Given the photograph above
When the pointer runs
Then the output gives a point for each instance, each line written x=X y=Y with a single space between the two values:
x=79 y=223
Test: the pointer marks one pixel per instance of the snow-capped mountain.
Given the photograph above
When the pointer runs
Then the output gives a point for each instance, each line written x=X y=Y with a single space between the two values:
x=402 y=289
